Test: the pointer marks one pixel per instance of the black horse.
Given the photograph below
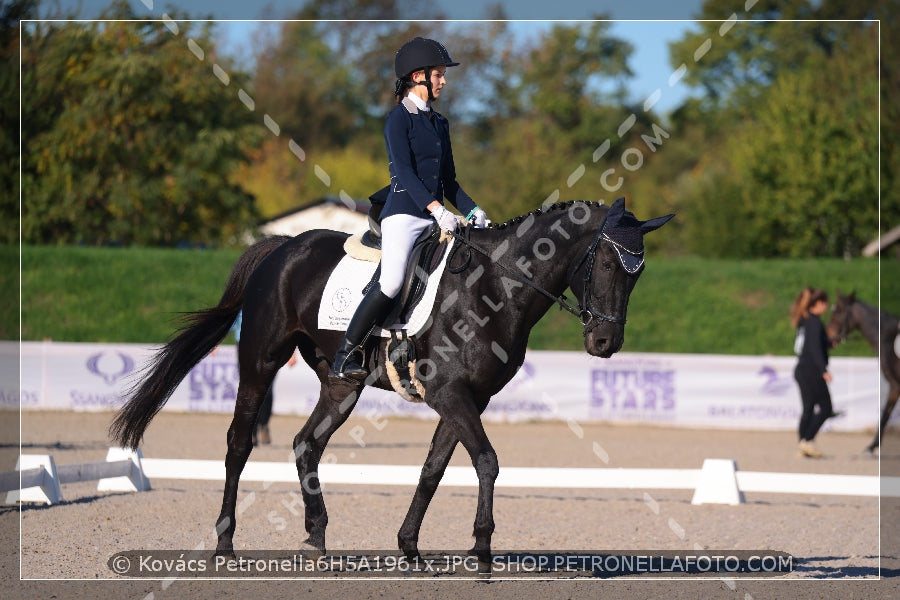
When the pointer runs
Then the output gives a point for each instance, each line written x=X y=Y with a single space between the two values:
x=504 y=280
x=850 y=314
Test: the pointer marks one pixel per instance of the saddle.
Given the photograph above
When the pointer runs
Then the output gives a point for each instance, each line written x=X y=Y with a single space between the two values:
x=424 y=258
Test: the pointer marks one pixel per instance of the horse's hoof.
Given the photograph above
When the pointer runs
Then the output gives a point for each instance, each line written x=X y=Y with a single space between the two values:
x=485 y=566
x=485 y=569
x=310 y=552
x=226 y=553
x=410 y=549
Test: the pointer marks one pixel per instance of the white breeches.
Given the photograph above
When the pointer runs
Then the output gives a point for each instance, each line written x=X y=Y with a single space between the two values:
x=398 y=234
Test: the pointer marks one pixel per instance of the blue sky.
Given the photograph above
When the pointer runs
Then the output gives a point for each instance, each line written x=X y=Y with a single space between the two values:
x=455 y=9
x=649 y=61
x=648 y=24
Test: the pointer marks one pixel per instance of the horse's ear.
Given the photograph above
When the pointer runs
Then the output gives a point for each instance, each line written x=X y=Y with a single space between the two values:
x=616 y=210
x=852 y=296
x=648 y=226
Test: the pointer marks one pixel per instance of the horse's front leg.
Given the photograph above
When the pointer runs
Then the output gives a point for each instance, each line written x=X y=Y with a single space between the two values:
x=439 y=454
x=239 y=447
x=455 y=406
x=893 y=395
x=336 y=401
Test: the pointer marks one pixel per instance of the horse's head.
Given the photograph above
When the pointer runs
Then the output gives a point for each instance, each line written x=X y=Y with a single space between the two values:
x=603 y=278
x=841 y=323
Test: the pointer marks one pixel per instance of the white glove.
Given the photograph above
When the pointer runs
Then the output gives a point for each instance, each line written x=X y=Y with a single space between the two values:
x=479 y=218
x=446 y=220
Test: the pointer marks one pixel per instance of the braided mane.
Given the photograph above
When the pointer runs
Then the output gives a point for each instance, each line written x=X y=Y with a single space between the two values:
x=539 y=211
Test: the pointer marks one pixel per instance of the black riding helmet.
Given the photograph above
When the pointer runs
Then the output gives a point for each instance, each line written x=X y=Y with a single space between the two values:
x=420 y=53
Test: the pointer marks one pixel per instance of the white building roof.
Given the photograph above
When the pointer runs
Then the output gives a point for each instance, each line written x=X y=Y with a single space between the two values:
x=327 y=213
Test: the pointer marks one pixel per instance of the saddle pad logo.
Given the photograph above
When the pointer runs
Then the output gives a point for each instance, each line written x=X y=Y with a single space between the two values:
x=341 y=299
x=344 y=291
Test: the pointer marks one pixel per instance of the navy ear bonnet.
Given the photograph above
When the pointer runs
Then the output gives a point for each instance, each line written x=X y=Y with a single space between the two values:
x=626 y=234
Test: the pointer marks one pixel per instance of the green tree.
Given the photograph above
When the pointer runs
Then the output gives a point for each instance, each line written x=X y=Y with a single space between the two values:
x=10 y=15
x=554 y=100
x=128 y=138
x=306 y=86
x=809 y=162
x=744 y=59
x=786 y=134
x=329 y=84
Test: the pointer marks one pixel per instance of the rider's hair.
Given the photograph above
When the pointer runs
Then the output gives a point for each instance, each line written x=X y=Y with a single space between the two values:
x=401 y=87
x=404 y=84
x=806 y=298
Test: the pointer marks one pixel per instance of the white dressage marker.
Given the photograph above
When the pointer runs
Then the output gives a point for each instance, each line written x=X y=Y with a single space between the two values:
x=39 y=480
x=134 y=481
x=718 y=483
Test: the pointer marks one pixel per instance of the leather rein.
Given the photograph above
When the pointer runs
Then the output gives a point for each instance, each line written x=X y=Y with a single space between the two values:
x=588 y=315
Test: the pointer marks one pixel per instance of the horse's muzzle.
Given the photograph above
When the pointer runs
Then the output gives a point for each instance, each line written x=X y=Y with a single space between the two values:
x=604 y=340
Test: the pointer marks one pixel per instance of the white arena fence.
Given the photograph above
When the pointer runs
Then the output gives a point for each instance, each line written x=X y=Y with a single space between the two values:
x=37 y=478
x=689 y=390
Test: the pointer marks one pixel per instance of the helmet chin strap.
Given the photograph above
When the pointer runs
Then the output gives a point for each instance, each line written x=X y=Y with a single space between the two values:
x=427 y=84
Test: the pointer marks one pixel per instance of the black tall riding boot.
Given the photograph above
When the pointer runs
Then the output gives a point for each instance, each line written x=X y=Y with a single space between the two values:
x=374 y=307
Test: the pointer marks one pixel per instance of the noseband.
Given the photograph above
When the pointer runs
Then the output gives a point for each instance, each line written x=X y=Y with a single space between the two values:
x=590 y=317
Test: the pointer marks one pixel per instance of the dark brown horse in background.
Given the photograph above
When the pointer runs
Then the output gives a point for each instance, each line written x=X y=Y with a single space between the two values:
x=851 y=314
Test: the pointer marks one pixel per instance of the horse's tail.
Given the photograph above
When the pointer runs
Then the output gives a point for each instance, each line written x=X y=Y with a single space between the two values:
x=199 y=333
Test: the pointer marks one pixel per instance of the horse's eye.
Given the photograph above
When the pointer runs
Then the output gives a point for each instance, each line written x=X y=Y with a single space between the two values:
x=607 y=265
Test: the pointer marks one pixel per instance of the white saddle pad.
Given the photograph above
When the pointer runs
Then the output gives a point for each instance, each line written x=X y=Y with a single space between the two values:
x=343 y=293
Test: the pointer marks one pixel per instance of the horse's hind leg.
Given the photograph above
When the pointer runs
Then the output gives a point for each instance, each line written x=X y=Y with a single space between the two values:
x=336 y=401
x=249 y=398
x=439 y=454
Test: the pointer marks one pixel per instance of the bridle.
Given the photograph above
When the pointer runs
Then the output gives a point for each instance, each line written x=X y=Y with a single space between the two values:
x=588 y=315
x=844 y=329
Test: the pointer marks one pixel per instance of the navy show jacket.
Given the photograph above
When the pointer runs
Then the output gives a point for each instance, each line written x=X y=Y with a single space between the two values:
x=420 y=163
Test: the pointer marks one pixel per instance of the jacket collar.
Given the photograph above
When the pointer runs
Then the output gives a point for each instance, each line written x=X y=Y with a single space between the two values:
x=415 y=105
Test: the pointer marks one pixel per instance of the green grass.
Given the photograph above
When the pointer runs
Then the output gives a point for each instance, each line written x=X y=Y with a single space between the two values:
x=728 y=306
x=116 y=295
x=9 y=283
x=679 y=305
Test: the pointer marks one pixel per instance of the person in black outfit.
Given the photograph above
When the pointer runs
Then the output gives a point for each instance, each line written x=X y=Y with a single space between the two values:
x=811 y=373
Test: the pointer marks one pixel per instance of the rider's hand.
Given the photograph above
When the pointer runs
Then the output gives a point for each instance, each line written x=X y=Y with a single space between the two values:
x=446 y=220
x=479 y=219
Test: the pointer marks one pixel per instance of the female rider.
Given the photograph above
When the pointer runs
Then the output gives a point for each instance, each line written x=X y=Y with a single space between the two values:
x=420 y=161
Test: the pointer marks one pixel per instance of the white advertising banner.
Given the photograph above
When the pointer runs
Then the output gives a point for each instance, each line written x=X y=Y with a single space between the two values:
x=690 y=390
